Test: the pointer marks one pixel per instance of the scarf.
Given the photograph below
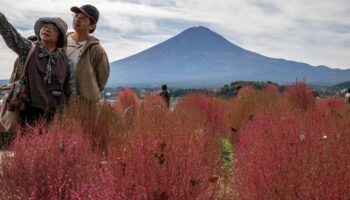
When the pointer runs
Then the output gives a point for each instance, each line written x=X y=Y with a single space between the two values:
x=43 y=53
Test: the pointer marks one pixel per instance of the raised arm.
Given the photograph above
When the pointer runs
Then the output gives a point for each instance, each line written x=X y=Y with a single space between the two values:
x=13 y=39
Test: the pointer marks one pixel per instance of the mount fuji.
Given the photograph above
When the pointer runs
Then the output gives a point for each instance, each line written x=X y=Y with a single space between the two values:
x=199 y=57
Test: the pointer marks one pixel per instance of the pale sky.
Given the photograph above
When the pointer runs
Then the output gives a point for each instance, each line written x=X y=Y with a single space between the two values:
x=316 y=32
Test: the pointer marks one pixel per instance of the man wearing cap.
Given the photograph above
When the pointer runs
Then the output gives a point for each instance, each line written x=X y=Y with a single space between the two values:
x=90 y=69
x=47 y=72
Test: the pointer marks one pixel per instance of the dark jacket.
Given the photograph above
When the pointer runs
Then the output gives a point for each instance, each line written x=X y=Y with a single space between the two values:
x=46 y=95
x=51 y=95
x=166 y=96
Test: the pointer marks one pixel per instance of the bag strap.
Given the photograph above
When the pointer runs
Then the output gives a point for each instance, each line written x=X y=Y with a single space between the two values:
x=22 y=78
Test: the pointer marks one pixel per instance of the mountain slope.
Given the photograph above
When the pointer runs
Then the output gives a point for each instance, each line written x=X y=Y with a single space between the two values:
x=342 y=85
x=199 y=57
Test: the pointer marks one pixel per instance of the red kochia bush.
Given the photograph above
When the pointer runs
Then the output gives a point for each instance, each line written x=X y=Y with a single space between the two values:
x=126 y=99
x=294 y=156
x=211 y=108
x=127 y=105
x=54 y=163
x=300 y=95
x=166 y=157
x=334 y=105
x=154 y=101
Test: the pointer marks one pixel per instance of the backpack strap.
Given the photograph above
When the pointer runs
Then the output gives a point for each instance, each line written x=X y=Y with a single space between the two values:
x=22 y=77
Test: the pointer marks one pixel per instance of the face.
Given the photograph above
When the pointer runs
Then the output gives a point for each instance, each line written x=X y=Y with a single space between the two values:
x=82 y=23
x=49 y=33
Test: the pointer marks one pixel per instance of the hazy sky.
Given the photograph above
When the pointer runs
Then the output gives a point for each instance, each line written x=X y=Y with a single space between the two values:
x=316 y=32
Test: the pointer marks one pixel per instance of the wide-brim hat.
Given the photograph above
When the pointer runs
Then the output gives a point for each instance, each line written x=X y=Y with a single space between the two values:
x=59 y=23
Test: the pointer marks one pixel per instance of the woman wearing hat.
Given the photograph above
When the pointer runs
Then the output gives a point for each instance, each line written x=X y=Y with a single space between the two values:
x=47 y=73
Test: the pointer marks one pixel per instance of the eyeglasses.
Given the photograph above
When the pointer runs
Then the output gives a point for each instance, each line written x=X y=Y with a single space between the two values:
x=80 y=17
x=49 y=27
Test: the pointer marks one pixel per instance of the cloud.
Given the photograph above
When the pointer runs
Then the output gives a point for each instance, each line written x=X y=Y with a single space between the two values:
x=312 y=31
x=266 y=6
x=284 y=29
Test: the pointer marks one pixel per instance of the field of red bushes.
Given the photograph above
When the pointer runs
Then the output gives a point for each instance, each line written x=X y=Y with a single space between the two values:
x=257 y=145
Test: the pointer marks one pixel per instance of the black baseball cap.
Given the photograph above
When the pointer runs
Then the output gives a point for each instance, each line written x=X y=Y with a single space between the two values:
x=89 y=10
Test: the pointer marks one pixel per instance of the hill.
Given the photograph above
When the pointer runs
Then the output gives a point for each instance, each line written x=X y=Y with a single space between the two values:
x=343 y=85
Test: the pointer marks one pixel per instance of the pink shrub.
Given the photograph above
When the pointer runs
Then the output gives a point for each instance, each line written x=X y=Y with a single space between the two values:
x=166 y=157
x=99 y=186
x=99 y=123
x=249 y=102
x=242 y=108
x=300 y=95
x=271 y=99
x=330 y=103
x=125 y=99
x=127 y=104
x=211 y=108
x=154 y=101
x=54 y=163
x=335 y=103
x=293 y=156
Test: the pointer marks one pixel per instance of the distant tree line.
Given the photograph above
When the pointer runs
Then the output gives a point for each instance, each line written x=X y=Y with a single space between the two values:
x=229 y=90
x=184 y=92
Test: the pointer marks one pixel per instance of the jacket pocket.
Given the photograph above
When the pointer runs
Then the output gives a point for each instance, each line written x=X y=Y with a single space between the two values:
x=95 y=93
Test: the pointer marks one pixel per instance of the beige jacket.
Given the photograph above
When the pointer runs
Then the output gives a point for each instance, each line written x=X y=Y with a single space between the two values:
x=92 y=70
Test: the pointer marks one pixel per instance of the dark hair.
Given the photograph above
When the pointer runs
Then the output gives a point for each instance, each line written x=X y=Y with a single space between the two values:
x=349 y=90
x=164 y=87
